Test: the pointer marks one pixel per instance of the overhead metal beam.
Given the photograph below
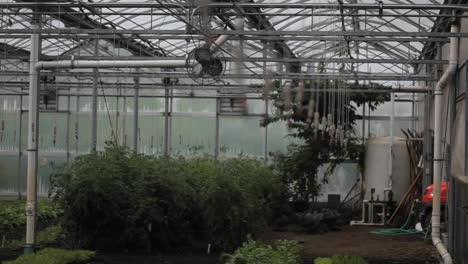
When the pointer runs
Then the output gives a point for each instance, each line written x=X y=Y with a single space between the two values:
x=442 y=24
x=143 y=33
x=230 y=5
x=260 y=38
x=261 y=22
x=73 y=19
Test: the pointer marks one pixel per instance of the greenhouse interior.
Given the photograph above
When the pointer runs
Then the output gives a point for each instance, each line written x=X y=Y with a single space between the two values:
x=233 y=132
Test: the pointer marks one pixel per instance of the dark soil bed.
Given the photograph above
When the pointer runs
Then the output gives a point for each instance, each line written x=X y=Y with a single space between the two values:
x=377 y=249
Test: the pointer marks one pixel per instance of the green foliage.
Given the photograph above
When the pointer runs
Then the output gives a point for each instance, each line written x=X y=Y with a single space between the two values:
x=12 y=214
x=51 y=235
x=323 y=261
x=55 y=256
x=121 y=199
x=299 y=166
x=348 y=259
x=341 y=259
x=255 y=252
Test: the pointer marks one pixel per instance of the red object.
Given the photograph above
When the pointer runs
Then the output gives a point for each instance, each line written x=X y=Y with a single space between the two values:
x=444 y=187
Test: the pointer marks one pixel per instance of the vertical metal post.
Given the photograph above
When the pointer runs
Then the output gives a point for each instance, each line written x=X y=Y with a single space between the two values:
x=124 y=118
x=67 y=137
x=166 y=121
x=77 y=118
x=116 y=132
x=20 y=127
x=363 y=123
x=266 y=94
x=135 y=113
x=265 y=140
x=427 y=140
x=94 y=102
x=33 y=129
x=171 y=105
x=390 y=148
x=217 y=125
x=451 y=207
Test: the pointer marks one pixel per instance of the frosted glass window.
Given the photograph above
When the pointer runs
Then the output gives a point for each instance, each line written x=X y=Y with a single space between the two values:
x=278 y=139
x=9 y=124
x=151 y=134
x=193 y=135
x=241 y=135
x=52 y=132
x=194 y=105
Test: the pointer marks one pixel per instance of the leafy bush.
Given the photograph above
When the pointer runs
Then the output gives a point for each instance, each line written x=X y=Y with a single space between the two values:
x=254 y=252
x=348 y=259
x=12 y=214
x=55 y=256
x=121 y=199
x=341 y=259
x=323 y=261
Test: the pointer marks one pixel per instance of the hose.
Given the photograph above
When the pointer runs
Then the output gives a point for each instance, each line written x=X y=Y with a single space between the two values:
x=401 y=230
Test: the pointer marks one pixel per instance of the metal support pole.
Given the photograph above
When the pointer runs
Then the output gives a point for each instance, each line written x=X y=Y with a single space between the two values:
x=217 y=126
x=166 y=122
x=265 y=140
x=20 y=127
x=427 y=179
x=117 y=116
x=67 y=137
x=266 y=94
x=94 y=103
x=364 y=123
x=33 y=129
x=77 y=118
x=135 y=114
x=390 y=149
x=124 y=118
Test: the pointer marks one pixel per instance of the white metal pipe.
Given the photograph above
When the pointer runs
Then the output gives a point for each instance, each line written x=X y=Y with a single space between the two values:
x=70 y=64
x=33 y=132
x=238 y=24
x=438 y=124
x=404 y=88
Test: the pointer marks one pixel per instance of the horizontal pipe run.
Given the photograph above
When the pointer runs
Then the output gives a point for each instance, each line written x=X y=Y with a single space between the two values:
x=255 y=59
x=72 y=64
x=285 y=75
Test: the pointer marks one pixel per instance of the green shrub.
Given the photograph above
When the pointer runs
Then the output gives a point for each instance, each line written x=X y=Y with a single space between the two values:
x=348 y=259
x=341 y=259
x=323 y=261
x=121 y=199
x=55 y=256
x=254 y=252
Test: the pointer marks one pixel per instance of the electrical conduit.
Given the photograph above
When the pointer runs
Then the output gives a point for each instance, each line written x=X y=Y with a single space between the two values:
x=438 y=91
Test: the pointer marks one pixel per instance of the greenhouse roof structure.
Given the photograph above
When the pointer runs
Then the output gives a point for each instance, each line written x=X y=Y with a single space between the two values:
x=355 y=40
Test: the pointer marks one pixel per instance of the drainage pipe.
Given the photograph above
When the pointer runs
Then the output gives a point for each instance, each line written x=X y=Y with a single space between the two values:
x=438 y=124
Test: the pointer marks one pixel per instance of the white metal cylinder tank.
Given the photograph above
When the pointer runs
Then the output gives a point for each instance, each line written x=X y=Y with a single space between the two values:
x=376 y=172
